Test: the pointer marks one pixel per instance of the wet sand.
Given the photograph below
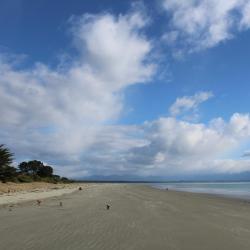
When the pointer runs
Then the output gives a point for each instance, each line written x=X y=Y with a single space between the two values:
x=140 y=217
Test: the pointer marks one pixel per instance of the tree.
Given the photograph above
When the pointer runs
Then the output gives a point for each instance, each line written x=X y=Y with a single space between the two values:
x=8 y=174
x=24 y=167
x=6 y=158
x=27 y=171
x=31 y=167
x=35 y=168
x=45 y=171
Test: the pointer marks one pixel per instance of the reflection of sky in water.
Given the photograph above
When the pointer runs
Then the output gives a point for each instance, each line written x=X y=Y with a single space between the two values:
x=232 y=189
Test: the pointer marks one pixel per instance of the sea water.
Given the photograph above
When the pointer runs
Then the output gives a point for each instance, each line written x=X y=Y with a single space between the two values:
x=230 y=189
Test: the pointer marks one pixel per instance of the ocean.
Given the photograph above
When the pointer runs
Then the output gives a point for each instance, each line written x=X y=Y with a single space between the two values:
x=229 y=189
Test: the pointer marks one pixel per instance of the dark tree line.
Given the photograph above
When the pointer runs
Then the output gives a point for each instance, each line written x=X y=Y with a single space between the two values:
x=26 y=171
x=6 y=158
x=34 y=168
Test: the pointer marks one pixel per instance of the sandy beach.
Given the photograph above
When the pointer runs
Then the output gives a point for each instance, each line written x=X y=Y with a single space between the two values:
x=140 y=217
x=14 y=193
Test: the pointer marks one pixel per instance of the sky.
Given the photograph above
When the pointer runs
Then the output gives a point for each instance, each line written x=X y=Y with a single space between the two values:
x=127 y=88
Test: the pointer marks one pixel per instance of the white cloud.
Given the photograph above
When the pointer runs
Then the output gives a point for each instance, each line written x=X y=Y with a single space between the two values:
x=58 y=113
x=168 y=147
x=115 y=47
x=176 y=147
x=61 y=115
x=189 y=103
x=203 y=24
x=245 y=21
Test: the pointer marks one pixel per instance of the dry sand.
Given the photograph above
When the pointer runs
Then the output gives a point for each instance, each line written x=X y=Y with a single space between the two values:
x=140 y=217
x=13 y=193
x=13 y=187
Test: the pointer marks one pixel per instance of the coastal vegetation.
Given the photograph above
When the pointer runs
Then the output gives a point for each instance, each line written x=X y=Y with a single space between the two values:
x=26 y=171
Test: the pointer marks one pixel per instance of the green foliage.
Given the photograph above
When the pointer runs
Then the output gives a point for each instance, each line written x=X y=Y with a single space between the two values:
x=65 y=180
x=31 y=167
x=27 y=171
x=24 y=178
x=45 y=171
x=6 y=157
x=23 y=167
x=37 y=171
x=56 y=177
x=7 y=172
x=35 y=168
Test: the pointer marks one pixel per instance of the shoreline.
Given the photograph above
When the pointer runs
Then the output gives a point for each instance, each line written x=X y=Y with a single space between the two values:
x=25 y=192
x=207 y=195
x=211 y=195
x=243 y=195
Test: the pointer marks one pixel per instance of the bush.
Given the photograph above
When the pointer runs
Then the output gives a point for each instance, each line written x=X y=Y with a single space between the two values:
x=36 y=178
x=65 y=180
x=56 y=178
x=25 y=178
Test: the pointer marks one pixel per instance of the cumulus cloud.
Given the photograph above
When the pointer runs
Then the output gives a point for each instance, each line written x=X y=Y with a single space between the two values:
x=167 y=147
x=245 y=21
x=62 y=115
x=189 y=103
x=58 y=113
x=115 y=46
x=201 y=24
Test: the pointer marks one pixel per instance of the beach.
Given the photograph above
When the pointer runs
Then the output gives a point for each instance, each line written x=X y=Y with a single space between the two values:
x=140 y=217
x=14 y=193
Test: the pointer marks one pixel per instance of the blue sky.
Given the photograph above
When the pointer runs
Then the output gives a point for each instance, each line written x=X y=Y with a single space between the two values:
x=128 y=88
